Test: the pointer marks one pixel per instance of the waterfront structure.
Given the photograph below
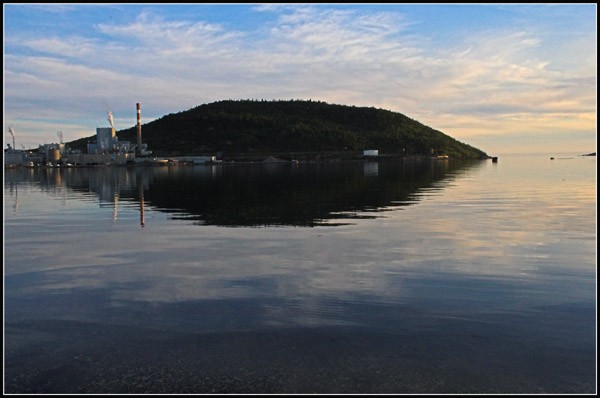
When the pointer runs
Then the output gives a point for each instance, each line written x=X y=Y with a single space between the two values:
x=14 y=157
x=108 y=148
x=105 y=139
x=105 y=150
x=108 y=142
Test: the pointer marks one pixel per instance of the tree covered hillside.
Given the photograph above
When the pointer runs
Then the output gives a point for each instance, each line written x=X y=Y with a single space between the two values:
x=249 y=126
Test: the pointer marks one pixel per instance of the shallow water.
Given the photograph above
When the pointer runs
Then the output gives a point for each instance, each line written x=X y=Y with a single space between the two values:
x=368 y=277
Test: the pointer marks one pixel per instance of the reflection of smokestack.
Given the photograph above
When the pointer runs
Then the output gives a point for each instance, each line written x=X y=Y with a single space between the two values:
x=141 y=193
x=139 y=127
x=115 y=206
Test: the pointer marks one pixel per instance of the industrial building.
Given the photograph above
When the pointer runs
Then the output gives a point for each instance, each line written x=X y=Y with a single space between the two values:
x=13 y=157
x=108 y=143
x=107 y=149
x=371 y=152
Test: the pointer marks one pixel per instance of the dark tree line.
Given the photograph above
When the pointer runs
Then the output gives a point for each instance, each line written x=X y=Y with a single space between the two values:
x=291 y=126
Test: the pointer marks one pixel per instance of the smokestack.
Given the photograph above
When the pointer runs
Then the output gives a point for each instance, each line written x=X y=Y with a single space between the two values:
x=110 y=119
x=11 y=130
x=139 y=127
x=112 y=124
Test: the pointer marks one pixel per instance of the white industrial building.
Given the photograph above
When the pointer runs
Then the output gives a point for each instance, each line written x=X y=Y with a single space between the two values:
x=105 y=139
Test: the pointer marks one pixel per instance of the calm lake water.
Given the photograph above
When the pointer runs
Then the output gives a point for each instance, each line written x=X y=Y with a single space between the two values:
x=362 y=277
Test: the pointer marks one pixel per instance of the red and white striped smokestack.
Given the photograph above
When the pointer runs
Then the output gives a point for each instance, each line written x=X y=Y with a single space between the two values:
x=139 y=127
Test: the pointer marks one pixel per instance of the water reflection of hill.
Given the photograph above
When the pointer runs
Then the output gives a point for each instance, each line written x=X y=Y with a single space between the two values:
x=257 y=194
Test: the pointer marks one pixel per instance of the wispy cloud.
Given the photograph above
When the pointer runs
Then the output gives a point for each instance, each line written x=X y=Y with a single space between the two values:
x=52 y=8
x=487 y=78
x=75 y=47
x=154 y=32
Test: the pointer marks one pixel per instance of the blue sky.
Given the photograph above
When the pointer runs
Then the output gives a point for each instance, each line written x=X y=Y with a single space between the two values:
x=506 y=78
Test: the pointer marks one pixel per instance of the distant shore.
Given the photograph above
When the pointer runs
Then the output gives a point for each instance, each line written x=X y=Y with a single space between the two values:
x=318 y=156
x=245 y=158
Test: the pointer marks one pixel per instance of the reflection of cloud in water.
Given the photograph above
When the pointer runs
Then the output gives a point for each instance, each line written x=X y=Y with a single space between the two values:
x=452 y=248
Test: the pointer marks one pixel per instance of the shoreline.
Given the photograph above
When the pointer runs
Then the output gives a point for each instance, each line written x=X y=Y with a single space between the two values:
x=245 y=158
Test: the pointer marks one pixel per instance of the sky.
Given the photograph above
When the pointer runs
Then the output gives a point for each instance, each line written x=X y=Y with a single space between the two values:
x=505 y=78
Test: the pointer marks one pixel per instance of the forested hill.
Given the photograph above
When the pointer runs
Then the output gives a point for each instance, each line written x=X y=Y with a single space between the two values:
x=292 y=126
